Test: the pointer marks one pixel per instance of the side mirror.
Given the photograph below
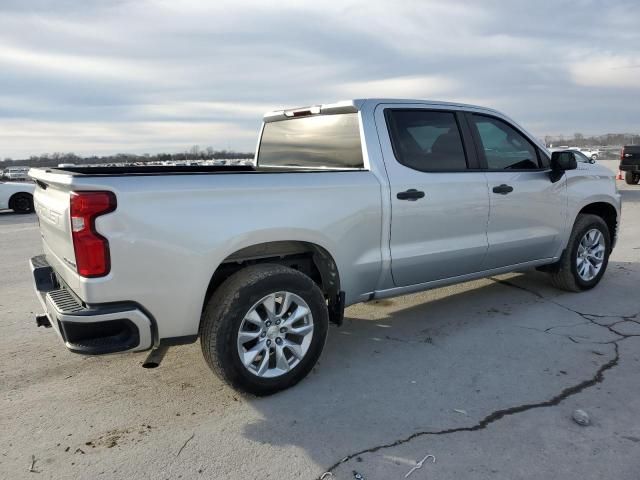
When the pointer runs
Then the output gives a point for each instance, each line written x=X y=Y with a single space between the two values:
x=562 y=161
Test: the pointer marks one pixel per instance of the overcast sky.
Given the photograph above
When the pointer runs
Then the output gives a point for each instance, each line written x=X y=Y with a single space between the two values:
x=105 y=76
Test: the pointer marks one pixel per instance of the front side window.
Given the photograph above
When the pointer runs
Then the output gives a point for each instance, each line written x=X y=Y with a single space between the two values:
x=504 y=147
x=426 y=140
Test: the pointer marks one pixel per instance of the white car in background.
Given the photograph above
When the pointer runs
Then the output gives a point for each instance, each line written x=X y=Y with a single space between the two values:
x=16 y=173
x=593 y=154
x=18 y=196
x=580 y=156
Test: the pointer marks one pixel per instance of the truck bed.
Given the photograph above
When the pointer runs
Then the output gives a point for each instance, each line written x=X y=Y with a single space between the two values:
x=144 y=170
x=180 y=223
x=153 y=169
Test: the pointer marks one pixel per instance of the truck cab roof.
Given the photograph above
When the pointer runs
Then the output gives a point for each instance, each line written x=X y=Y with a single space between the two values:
x=355 y=105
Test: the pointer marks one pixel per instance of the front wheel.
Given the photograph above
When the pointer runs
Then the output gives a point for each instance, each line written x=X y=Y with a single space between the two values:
x=264 y=328
x=631 y=178
x=586 y=257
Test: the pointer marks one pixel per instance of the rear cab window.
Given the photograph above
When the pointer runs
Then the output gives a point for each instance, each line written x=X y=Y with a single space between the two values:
x=312 y=142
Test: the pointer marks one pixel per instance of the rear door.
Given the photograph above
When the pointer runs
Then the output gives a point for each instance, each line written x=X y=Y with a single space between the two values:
x=528 y=210
x=439 y=198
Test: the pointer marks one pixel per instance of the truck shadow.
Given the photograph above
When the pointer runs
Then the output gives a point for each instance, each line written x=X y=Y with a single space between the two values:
x=438 y=360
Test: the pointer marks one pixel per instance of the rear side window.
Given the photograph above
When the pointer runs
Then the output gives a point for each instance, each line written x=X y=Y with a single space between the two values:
x=319 y=141
x=425 y=140
x=504 y=147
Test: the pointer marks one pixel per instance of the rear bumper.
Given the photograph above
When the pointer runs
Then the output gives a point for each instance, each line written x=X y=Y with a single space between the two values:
x=90 y=329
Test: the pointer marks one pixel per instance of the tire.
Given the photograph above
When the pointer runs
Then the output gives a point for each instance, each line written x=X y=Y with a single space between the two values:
x=226 y=313
x=594 y=157
x=21 y=203
x=631 y=178
x=564 y=274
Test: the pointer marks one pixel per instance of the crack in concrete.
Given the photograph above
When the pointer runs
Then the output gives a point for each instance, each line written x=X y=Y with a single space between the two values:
x=497 y=415
x=579 y=340
x=589 y=317
x=547 y=330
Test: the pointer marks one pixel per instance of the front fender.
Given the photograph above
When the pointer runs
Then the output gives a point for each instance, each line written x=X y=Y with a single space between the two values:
x=588 y=186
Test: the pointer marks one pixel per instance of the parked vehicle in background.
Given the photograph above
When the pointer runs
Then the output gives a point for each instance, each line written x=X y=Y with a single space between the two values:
x=630 y=163
x=346 y=203
x=17 y=196
x=593 y=154
x=16 y=173
x=580 y=157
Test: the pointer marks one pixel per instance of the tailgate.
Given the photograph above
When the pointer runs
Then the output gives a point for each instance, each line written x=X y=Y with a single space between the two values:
x=51 y=202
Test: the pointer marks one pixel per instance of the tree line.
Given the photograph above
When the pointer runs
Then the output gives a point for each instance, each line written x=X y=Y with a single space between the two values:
x=580 y=140
x=193 y=154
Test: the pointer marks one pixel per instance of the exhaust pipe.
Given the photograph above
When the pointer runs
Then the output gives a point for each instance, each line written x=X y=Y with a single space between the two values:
x=155 y=357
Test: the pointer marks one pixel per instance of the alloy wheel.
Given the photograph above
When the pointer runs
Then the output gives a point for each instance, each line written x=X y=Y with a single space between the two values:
x=590 y=256
x=275 y=334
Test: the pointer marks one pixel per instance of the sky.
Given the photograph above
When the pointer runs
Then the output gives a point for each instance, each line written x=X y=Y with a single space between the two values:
x=108 y=76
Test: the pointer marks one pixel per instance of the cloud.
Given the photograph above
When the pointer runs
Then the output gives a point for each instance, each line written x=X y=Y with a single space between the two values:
x=204 y=110
x=151 y=75
x=610 y=71
x=87 y=138
x=78 y=66
x=425 y=86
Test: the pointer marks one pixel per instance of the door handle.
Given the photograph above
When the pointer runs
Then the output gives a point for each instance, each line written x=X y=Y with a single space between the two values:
x=412 y=195
x=503 y=189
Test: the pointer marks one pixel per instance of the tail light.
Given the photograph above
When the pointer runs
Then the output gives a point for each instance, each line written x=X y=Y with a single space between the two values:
x=622 y=153
x=91 y=248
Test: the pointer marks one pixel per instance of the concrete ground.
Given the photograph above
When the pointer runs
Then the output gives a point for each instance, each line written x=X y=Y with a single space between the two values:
x=484 y=376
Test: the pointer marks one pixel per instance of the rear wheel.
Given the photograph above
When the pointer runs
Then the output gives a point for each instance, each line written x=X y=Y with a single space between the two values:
x=264 y=328
x=21 y=203
x=631 y=178
x=586 y=257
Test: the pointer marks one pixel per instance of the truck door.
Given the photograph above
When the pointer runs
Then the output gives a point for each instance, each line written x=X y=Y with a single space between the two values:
x=439 y=197
x=528 y=210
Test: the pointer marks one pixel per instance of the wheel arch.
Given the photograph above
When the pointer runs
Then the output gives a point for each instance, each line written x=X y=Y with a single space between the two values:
x=17 y=194
x=608 y=213
x=310 y=258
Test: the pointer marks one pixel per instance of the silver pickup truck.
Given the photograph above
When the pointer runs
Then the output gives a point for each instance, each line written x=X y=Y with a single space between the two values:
x=347 y=202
